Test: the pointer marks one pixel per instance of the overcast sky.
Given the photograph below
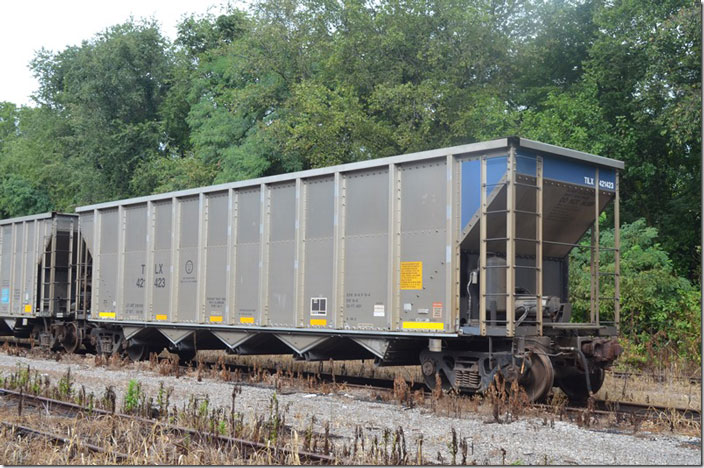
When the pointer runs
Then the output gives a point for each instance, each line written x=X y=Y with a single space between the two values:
x=26 y=26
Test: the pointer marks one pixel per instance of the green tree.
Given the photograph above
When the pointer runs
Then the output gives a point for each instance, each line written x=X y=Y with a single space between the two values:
x=659 y=308
x=8 y=122
x=645 y=64
x=38 y=153
x=228 y=98
x=288 y=85
x=109 y=91
x=20 y=196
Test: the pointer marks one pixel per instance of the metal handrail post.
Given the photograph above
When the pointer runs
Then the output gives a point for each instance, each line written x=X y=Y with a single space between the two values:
x=482 y=248
x=617 y=255
x=596 y=246
x=539 y=243
x=510 y=242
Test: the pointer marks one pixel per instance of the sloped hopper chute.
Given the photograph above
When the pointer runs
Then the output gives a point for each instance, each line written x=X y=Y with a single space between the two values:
x=337 y=348
x=6 y=327
x=568 y=203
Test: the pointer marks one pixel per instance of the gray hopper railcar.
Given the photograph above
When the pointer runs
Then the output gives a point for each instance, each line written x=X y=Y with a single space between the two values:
x=38 y=278
x=455 y=259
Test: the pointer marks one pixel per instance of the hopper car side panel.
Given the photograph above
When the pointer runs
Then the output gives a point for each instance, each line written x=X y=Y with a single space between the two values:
x=310 y=253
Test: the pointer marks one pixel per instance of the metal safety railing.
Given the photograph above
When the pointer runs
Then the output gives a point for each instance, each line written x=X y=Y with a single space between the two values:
x=507 y=244
x=595 y=263
x=510 y=239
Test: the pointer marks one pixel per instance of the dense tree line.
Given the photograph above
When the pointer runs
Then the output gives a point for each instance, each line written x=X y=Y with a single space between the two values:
x=289 y=85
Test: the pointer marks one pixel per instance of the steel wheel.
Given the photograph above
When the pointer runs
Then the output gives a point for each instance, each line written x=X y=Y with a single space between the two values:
x=538 y=379
x=575 y=385
x=137 y=352
x=70 y=340
x=430 y=369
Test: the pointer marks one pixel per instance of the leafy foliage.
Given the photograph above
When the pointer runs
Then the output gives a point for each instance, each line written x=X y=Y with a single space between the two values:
x=108 y=92
x=133 y=396
x=20 y=196
x=658 y=307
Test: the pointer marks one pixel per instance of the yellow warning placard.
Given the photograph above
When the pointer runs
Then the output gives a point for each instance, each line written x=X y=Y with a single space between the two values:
x=411 y=275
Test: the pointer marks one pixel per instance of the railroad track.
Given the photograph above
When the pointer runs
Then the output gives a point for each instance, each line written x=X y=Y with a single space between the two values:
x=600 y=407
x=658 y=377
x=356 y=381
x=73 y=409
x=59 y=439
x=626 y=411
x=647 y=411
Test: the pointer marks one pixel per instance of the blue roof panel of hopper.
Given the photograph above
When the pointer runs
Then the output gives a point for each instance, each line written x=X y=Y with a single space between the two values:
x=556 y=168
x=565 y=170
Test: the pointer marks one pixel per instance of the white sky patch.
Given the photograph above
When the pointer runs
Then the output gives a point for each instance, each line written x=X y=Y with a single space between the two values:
x=27 y=26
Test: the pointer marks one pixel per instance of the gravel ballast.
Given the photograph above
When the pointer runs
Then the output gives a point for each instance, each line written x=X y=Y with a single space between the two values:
x=528 y=440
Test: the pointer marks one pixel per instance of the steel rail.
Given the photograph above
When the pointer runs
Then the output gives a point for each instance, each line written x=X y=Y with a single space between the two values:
x=642 y=411
x=63 y=440
x=73 y=408
x=655 y=376
x=647 y=410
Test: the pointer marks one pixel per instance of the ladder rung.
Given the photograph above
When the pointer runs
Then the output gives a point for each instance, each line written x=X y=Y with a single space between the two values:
x=525 y=239
x=515 y=266
x=534 y=213
x=566 y=244
x=496 y=239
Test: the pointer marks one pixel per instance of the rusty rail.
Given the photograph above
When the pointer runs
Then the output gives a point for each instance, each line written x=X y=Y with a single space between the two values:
x=73 y=408
x=63 y=440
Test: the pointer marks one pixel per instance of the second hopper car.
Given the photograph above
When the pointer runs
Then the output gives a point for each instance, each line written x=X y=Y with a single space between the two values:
x=455 y=259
